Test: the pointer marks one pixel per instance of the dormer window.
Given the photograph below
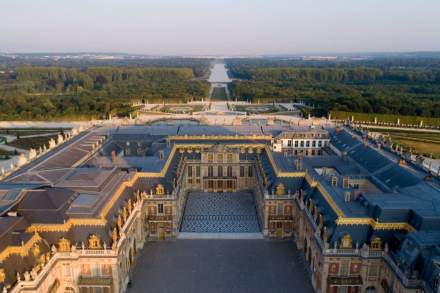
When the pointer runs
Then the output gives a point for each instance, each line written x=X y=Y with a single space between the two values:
x=376 y=243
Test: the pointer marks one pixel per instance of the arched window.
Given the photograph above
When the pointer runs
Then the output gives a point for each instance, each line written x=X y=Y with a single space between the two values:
x=210 y=171
x=229 y=171
x=220 y=171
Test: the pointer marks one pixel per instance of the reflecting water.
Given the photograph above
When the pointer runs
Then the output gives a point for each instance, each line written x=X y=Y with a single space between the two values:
x=175 y=122
x=264 y=122
x=219 y=74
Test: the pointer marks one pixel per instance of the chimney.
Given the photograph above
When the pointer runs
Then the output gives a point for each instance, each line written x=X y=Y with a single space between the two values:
x=347 y=196
x=346 y=182
x=113 y=156
x=334 y=181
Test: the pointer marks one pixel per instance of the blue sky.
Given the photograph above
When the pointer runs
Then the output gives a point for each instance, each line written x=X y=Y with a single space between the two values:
x=227 y=27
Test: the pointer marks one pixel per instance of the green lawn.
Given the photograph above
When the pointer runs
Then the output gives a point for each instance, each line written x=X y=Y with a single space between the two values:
x=32 y=142
x=385 y=118
x=30 y=131
x=181 y=108
x=5 y=155
x=219 y=94
x=256 y=108
x=419 y=142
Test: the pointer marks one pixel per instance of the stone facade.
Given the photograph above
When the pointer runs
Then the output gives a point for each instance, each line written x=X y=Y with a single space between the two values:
x=149 y=206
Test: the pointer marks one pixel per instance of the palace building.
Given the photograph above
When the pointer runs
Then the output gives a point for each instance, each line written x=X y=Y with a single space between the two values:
x=74 y=219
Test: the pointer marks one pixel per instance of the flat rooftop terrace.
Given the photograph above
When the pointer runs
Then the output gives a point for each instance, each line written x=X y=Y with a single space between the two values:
x=220 y=266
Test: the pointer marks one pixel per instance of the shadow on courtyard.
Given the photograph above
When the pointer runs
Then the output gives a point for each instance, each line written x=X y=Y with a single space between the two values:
x=220 y=266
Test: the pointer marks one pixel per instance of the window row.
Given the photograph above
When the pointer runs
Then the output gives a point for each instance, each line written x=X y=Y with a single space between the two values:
x=220 y=171
x=280 y=210
x=306 y=143
x=86 y=270
x=190 y=171
x=220 y=158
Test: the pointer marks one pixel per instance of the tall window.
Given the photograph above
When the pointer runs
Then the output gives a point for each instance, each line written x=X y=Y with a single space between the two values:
x=160 y=208
x=302 y=143
x=229 y=158
x=250 y=171
x=86 y=270
x=296 y=143
x=308 y=143
x=220 y=158
x=210 y=158
x=210 y=171
x=66 y=270
x=241 y=171
x=197 y=171
x=220 y=171
x=229 y=171
x=190 y=171
x=313 y=143
x=289 y=143
x=280 y=209
x=106 y=269
x=319 y=143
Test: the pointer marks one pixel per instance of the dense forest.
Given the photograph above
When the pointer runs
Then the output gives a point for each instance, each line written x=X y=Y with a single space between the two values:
x=405 y=86
x=47 y=92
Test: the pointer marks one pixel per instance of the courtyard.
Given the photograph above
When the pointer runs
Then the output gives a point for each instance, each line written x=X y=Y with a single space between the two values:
x=207 y=212
x=219 y=266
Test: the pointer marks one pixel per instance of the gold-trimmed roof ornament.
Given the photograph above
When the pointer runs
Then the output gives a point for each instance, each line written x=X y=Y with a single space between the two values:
x=346 y=241
x=160 y=190
x=280 y=189
x=376 y=243
x=2 y=276
x=94 y=242
x=64 y=245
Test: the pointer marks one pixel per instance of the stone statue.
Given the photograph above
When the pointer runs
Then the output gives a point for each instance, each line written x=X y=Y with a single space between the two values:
x=130 y=206
x=115 y=237
x=119 y=222
x=124 y=214
x=27 y=276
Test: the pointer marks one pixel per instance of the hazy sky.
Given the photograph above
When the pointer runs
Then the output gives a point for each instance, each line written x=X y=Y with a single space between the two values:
x=191 y=27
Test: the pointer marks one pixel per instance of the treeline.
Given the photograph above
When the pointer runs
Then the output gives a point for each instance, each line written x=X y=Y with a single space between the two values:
x=342 y=87
x=318 y=74
x=356 y=75
x=199 y=66
x=31 y=92
x=65 y=79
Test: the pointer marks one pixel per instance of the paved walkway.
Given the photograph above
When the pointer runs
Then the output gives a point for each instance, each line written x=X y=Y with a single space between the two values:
x=213 y=266
x=219 y=107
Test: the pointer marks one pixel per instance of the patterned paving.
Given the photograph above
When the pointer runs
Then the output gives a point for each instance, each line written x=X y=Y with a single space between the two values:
x=220 y=213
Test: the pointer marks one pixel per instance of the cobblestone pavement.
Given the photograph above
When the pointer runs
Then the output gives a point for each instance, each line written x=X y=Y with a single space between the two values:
x=212 y=266
x=220 y=213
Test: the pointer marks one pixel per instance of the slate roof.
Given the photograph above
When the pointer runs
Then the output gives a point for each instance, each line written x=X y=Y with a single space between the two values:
x=60 y=188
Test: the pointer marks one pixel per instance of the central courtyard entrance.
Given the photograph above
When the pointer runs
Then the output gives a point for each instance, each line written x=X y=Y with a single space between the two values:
x=220 y=213
x=218 y=266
